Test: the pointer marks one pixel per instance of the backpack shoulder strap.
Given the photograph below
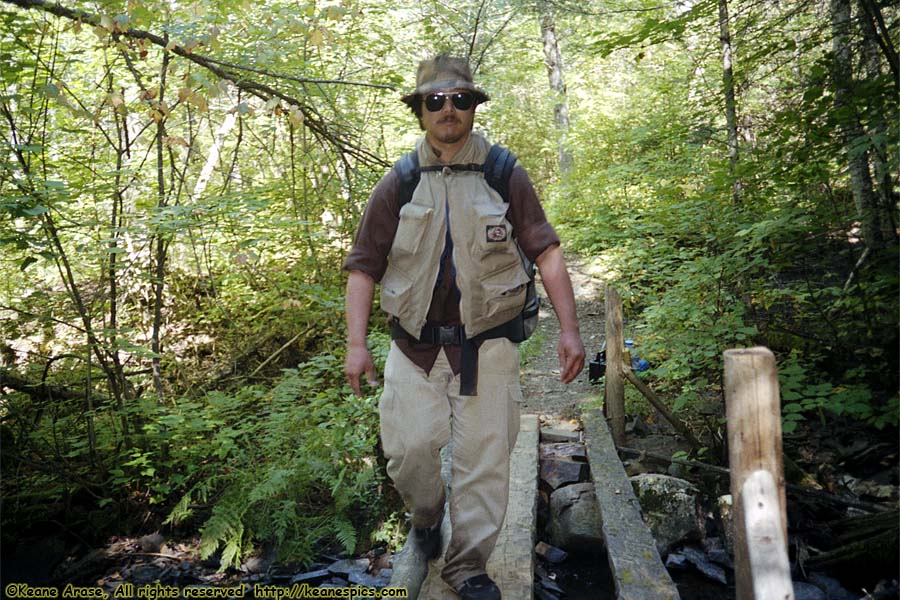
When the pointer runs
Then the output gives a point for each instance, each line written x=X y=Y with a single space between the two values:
x=407 y=169
x=498 y=168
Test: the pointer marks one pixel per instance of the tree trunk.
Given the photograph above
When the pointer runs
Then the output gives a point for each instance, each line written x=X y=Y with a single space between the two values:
x=553 y=61
x=730 y=101
x=850 y=128
x=884 y=185
x=161 y=246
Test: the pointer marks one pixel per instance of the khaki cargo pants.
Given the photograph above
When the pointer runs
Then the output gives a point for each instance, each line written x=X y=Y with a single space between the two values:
x=419 y=415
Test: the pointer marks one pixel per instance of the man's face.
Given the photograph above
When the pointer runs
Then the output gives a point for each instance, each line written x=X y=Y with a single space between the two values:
x=448 y=124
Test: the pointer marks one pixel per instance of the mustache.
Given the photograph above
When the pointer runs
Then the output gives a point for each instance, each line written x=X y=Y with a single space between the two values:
x=449 y=119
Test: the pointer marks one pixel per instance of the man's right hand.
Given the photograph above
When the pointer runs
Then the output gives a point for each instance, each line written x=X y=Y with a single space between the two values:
x=359 y=361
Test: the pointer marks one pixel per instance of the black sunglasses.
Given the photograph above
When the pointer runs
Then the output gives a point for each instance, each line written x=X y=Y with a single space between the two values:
x=461 y=101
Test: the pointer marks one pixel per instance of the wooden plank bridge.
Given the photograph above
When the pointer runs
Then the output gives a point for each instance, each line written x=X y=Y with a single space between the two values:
x=637 y=570
x=757 y=481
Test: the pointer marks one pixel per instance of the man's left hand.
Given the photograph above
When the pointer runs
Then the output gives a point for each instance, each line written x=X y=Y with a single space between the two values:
x=571 y=356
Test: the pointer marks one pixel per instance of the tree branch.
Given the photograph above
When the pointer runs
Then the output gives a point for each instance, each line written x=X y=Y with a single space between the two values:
x=312 y=119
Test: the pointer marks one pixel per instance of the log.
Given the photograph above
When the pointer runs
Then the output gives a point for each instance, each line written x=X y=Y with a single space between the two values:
x=615 y=382
x=753 y=409
x=865 y=555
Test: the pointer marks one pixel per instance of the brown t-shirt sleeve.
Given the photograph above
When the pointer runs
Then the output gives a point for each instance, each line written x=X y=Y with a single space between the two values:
x=376 y=230
x=533 y=232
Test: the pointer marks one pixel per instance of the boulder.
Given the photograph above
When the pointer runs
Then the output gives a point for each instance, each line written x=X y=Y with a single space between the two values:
x=575 y=519
x=671 y=509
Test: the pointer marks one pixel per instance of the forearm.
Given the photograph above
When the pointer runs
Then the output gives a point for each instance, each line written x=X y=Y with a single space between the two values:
x=358 y=306
x=556 y=281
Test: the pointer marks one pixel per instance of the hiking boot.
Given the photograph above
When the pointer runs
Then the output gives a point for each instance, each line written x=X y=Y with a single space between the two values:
x=428 y=539
x=479 y=587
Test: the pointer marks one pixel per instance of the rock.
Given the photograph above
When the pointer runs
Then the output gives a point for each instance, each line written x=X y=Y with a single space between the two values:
x=806 y=591
x=704 y=565
x=716 y=552
x=575 y=519
x=726 y=512
x=670 y=508
x=550 y=553
x=366 y=580
x=559 y=435
x=152 y=542
x=311 y=576
x=559 y=472
x=256 y=564
x=638 y=427
x=676 y=561
x=542 y=594
x=576 y=452
x=832 y=587
x=349 y=565
x=548 y=585
x=635 y=467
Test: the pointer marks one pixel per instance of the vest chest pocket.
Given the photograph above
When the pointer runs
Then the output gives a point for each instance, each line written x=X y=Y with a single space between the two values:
x=493 y=233
x=414 y=222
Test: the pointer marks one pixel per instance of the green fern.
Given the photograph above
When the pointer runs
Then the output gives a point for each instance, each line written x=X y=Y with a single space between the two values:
x=345 y=534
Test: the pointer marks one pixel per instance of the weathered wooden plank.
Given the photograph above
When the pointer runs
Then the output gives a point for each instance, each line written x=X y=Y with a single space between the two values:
x=637 y=569
x=512 y=563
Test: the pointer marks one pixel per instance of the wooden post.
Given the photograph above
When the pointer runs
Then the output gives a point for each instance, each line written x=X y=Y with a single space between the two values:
x=615 y=378
x=753 y=409
x=766 y=546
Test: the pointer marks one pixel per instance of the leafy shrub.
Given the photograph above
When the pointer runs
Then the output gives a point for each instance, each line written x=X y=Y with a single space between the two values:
x=293 y=465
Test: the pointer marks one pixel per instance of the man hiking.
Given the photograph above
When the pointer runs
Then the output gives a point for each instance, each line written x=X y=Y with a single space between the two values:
x=450 y=234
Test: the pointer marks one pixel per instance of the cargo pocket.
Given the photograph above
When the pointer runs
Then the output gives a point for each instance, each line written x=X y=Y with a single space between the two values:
x=396 y=289
x=504 y=290
x=389 y=422
x=414 y=221
x=514 y=408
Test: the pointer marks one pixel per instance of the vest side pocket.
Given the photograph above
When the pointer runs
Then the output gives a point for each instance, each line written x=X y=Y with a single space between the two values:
x=504 y=292
x=414 y=221
x=396 y=290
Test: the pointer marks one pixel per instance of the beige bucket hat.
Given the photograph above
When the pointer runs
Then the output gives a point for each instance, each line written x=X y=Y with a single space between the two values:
x=443 y=72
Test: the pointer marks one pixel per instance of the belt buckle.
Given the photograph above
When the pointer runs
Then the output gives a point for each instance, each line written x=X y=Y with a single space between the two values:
x=447 y=334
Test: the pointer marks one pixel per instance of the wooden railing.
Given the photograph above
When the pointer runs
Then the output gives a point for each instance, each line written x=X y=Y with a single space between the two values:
x=753 y=410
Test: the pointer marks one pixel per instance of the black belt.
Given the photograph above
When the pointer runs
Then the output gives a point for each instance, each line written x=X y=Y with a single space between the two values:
x=455 y=335
x=439 y=335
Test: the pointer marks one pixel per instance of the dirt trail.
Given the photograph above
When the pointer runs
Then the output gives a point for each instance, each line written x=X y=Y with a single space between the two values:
x=543 y=393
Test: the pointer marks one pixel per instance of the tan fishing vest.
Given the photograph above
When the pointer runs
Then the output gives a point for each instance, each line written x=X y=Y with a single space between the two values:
x=489 y=269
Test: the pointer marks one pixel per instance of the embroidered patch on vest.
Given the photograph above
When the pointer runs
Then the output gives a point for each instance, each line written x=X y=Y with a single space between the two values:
x=495 y=233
